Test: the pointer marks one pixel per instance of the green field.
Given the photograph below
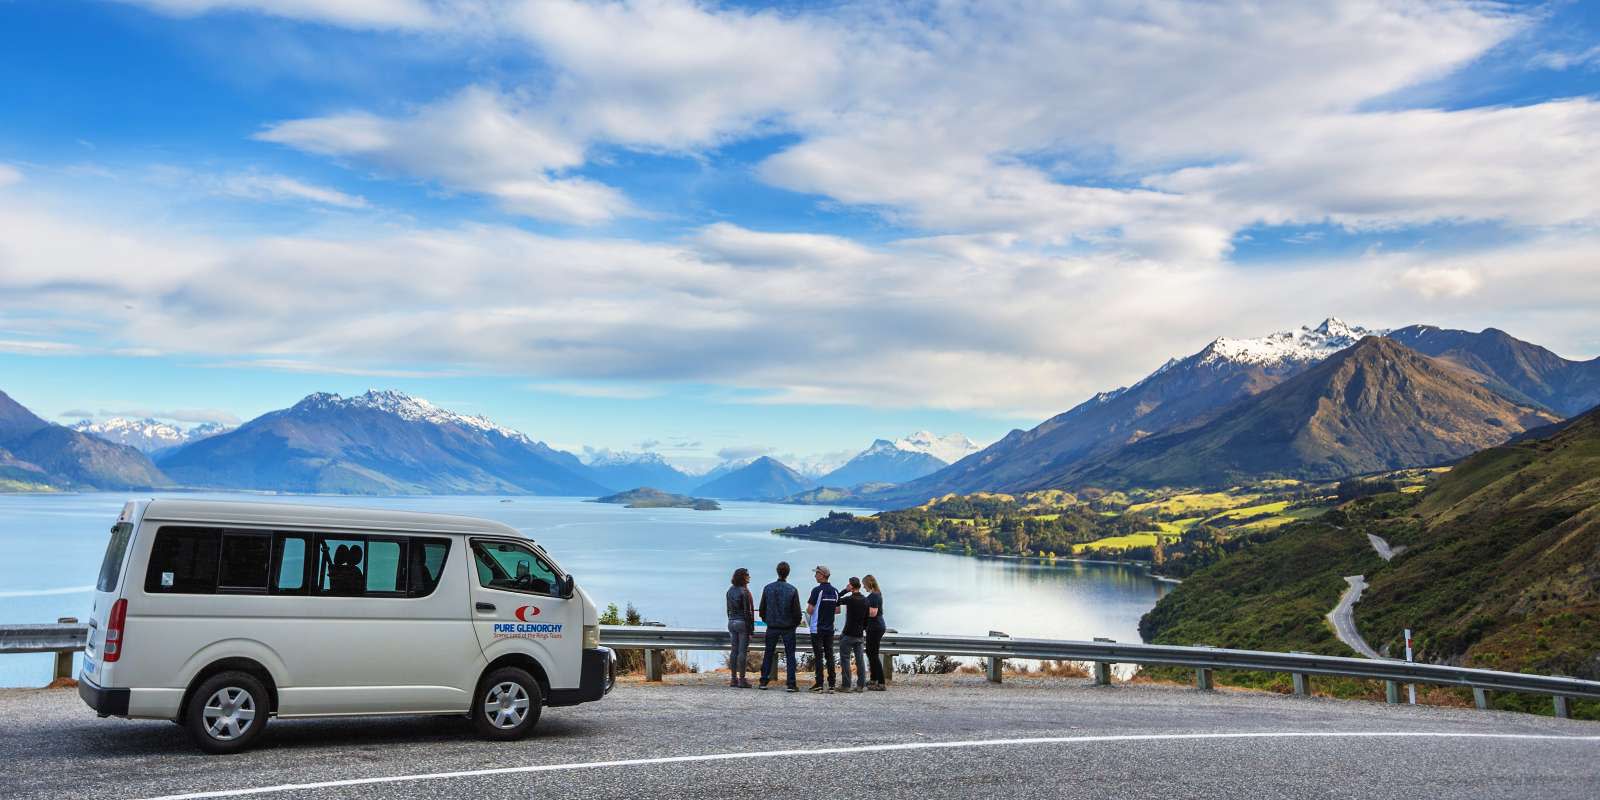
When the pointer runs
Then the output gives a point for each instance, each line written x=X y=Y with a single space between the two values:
x=1195 y=502
x=1142 y=539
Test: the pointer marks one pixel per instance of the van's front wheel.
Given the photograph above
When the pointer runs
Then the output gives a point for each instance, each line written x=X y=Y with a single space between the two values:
x=227 y=712
x=508 y=704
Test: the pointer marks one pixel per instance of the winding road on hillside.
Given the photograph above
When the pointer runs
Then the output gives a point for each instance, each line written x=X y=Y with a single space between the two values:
x=929 y=737
x=1342 y=617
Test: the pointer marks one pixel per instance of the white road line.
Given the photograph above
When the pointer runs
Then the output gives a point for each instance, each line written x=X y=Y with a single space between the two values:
x=875 y=748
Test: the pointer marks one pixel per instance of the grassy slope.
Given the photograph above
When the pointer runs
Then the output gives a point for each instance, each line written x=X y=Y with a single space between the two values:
x=1503 y=570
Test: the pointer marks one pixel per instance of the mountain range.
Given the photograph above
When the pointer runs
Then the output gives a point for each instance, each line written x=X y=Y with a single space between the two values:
x=378 y=443
x=148 y=435
x=37 y=454
x=765 y=478
x=1169 y=425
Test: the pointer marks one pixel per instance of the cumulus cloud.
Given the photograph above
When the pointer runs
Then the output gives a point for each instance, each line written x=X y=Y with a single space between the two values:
x=477 y=141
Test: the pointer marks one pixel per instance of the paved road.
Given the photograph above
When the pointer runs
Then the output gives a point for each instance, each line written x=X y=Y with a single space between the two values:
x=1344 y=620
x=937 y=738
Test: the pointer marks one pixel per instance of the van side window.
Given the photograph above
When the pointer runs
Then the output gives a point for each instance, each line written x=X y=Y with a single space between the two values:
x=427 y=564
x=513 y=567
x=385 y=566
x=289 y=563
x=245 y=561
x=349 y=565
x=184 y=560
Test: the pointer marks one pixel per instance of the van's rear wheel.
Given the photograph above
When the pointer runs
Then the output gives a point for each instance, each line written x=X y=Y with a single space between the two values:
x=227 y=712
x=507 y=704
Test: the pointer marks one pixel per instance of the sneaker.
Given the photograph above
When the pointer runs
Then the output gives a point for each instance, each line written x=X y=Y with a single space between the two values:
x=792 y=689
x=859 y=689
x=817 y=687
x=877 y=687
x=744 y=684
x=763 y=686
x=828 y=690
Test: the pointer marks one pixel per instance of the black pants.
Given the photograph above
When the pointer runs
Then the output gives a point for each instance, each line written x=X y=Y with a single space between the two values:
x=822 y=651
x=769 y=659
x=874 y=660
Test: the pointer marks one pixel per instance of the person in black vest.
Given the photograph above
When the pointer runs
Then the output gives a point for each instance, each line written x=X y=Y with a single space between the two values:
x=875 y=630
x=820 y=609
x=855 y=628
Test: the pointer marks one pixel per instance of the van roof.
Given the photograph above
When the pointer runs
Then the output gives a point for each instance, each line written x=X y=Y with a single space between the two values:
x=234 y=512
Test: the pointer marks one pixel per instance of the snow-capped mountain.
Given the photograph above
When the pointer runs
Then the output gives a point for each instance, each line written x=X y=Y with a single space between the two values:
x=622 y=470
x=949 y=447
x=1303 y=346
x=147 y=435
x=1182 y=393
x=883 y=462
x=381 y=442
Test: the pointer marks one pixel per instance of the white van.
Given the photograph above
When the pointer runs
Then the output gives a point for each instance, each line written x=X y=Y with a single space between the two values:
x=221 y=615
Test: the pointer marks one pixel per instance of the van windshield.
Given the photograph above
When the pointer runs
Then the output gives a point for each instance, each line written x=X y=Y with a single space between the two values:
x=111 y=565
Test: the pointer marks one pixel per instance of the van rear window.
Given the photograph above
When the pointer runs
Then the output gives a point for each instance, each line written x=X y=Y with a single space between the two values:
x=116 y=550
x=184 y=561
x=202 y=560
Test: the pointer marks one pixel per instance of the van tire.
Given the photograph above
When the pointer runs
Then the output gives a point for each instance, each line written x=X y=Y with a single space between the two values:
x=227 y=712
x=506 y=704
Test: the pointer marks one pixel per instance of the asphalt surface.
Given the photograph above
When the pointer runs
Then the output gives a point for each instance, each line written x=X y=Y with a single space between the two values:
x=1381 y=545
x=1343 y=617
x=52 y=746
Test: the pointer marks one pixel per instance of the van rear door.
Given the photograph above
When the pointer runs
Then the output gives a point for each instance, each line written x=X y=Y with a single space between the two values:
x=108 y=590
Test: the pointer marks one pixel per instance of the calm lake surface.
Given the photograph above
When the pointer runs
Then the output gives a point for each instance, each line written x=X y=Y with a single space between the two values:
x=672 y=564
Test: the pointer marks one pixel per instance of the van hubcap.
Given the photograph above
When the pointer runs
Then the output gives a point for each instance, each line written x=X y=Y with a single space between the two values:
x=506 y=705
x=229 y=713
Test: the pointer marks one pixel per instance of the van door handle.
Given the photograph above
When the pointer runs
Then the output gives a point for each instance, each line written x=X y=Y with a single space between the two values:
x=486 y=606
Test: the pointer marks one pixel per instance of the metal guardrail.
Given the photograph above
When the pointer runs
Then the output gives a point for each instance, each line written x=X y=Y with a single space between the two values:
x=67 y=637
x=1200 y=658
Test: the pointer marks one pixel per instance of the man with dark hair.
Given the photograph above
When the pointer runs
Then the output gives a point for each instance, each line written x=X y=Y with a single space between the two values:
x=824 y=603
x=780 y=609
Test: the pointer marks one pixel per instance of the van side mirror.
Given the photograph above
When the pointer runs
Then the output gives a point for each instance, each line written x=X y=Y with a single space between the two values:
x=567 y=586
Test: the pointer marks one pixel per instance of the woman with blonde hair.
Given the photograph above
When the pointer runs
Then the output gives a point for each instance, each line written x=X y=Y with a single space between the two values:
x=875 y=629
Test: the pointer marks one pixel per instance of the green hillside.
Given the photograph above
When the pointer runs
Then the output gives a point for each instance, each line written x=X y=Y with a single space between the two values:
x=1501 y=571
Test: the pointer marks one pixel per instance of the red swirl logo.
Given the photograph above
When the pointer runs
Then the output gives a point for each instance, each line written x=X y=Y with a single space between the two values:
x=525 y=612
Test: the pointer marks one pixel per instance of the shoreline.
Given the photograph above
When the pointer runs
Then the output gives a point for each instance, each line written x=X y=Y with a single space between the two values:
x=1145 y=565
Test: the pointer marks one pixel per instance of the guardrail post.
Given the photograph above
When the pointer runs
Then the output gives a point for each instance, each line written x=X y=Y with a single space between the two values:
x=888 y=667
x=996 y=662
x=1202 y=679
x=1563 y=707
x=64 y=657
x=654 y=661
x=1480 y=698
x=1102 y=669
x=1391 y=692
x=1302 y=680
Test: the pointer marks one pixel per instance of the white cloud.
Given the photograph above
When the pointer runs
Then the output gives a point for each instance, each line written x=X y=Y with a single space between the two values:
x=9 y=175
x=31 y=347
x=477 y=141
x=994 y=325
x=258 y=186
x=380 y=14
x=1431 y=282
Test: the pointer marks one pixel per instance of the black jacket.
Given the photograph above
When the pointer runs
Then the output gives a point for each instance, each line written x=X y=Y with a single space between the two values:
x=780 y=606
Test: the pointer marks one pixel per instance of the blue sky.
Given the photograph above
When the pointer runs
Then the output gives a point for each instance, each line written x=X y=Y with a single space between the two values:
x=713 y=228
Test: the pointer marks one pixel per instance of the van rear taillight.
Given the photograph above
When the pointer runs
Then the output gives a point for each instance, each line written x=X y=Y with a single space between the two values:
x=119 y=617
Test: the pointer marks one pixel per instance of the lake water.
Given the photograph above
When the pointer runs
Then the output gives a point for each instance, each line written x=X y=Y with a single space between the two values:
x=672 y=564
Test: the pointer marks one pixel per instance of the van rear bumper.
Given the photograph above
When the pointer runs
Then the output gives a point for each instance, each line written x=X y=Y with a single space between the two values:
x=599 y=675
x=105 y=702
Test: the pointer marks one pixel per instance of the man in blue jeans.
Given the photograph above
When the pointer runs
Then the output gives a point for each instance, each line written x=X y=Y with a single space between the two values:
x=780 y=609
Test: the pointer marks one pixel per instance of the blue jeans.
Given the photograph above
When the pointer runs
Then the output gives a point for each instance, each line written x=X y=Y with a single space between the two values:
x=741 y=647
x=769 y=665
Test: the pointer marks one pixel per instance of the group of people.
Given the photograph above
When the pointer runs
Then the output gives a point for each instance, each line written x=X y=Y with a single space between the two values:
x=860 y=601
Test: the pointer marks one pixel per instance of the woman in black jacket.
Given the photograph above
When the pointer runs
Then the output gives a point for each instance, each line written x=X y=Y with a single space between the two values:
x=741 y=623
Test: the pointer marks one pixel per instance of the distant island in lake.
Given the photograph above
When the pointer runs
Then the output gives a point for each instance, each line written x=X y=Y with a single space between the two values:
x=646 y=497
